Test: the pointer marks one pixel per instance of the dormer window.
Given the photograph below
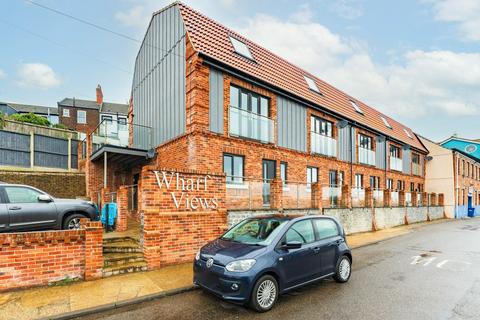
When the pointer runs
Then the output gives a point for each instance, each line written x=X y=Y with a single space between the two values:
x=311 y=84
x=356 y=107
x=386 y=122
x=408 y=133
x=241 y=48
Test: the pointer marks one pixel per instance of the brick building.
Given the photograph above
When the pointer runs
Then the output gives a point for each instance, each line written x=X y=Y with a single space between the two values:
x=85 y=115
x=454 y=170
x=208 y=102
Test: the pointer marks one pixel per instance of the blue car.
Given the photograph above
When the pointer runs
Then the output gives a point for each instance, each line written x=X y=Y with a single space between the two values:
x=262 y=257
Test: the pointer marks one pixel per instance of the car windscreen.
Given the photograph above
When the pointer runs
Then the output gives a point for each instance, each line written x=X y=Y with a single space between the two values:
x=258 y=231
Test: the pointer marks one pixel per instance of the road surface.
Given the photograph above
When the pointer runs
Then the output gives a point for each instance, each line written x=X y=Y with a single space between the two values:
x=432 y=273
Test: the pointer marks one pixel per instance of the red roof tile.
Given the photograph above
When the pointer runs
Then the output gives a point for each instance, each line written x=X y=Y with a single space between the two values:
x=212 y=39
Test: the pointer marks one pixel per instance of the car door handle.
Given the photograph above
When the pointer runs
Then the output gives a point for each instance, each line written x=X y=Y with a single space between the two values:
x=316 y=250
x=15 y=208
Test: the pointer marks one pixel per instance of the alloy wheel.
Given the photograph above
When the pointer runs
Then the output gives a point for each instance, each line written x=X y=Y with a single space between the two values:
x=344 y=269
x=74 y=224
x=266 y=294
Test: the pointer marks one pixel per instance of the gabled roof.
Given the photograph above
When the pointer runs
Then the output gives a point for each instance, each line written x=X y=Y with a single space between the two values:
x=211 y=39
x=27 y=108
x=107 y=107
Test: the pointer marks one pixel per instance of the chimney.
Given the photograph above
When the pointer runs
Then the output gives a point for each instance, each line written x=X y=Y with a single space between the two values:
x=99 y=95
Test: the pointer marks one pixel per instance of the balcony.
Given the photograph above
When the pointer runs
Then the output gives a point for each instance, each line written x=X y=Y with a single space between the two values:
x=115 y=133
x=366 y=156
x=321 y=144
x=250 y=125
x=395 y=164
x=416 y=169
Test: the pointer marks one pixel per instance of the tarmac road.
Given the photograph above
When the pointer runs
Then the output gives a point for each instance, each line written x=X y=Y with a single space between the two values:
x=432 y=273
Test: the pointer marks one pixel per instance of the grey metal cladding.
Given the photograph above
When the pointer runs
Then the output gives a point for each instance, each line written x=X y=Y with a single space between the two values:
x=14 y=149
x=159 y=80
x=380 y=154
x=216 y=101
x=353 y=144
x=344 y=143
x=406 y=156
x=291 y=124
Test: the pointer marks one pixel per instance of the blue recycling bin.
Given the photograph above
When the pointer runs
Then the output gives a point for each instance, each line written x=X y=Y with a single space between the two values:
x=471 y=212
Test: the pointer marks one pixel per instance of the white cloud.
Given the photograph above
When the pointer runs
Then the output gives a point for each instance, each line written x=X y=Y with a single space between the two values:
x=347 y=9
x=136 y=16
x=37 y=75
x=3 y=74
x=464 y=12
x=422 y=82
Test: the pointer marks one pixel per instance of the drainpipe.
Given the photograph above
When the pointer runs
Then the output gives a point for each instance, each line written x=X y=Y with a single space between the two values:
x=352 y=150
x=455 y=172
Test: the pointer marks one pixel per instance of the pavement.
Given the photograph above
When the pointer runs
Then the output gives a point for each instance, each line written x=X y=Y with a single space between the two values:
x=126 y=291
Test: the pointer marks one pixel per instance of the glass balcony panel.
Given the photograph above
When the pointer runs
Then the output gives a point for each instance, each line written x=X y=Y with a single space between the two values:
x=250 y=125
x=366 y=156
x=395 y=164
x=322 y=144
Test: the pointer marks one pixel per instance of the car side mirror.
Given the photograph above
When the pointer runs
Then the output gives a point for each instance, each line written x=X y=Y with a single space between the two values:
x=44 y=198
x=292 y=245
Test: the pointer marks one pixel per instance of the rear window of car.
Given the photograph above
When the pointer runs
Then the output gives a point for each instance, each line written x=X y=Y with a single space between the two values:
x=301 y=231
x=325 y=228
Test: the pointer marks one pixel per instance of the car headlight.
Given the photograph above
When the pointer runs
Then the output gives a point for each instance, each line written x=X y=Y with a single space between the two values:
x=197 y=256
x=240 y=265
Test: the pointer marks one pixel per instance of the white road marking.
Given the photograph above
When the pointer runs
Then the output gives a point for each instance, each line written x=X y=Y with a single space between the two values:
x=446 y=264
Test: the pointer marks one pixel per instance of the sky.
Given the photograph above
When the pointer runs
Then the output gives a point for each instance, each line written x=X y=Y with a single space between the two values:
x=417 y=61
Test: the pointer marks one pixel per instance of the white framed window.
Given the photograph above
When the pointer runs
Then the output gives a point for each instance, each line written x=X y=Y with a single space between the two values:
x=386 y=123
x=359 y=181
x=81 y=117
x=66 y=113
x=241 y=48
x=311 y=84
x=356 y=107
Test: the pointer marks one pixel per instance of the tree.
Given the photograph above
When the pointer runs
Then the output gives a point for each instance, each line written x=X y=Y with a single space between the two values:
x=30 y=118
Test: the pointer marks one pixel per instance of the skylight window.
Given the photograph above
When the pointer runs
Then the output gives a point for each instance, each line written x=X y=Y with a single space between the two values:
x=408 y=133
x=356 y=107
x=311 y=84
x=386 y=122
x=241 y=48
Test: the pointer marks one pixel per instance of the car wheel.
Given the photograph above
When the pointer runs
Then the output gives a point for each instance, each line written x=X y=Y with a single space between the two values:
x=344 y=270
x=72 y=222
x=264 y=294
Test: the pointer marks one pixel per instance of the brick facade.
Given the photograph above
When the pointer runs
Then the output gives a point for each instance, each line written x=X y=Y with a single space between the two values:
x=71 y=122
x=40 y=258
x=173 y=234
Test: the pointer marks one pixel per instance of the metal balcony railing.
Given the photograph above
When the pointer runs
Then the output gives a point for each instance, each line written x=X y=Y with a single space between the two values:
x=322 y=144
x=250 y=125
x=366 y=156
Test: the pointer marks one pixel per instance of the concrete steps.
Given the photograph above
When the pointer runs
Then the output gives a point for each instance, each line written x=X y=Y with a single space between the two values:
x=122 y=255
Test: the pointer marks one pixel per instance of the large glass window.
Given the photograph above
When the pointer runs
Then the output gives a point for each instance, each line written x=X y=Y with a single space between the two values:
x=365 y=142
x=233 y=168
x=325 y=228
x=359 y=180
x=322 y=126
x=283 y=172
x=22 y=195
x=312 y=176
x=416 y=158
x=394 y=151
x=374 y=182
x=249 y=101
x=301 y=231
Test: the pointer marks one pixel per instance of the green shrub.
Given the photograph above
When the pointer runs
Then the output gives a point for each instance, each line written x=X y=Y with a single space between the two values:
x=60 y=126
x=2 y=120
x=30 y=118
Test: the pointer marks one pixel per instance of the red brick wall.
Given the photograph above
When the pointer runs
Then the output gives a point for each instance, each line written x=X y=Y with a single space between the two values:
x=70 y=122
x=40 y=258
x=173 y=234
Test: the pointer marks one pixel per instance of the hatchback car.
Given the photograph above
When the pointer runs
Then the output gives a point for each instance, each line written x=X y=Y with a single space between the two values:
x=25 y=208
x=262 y=257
